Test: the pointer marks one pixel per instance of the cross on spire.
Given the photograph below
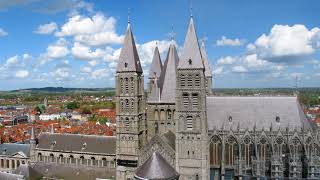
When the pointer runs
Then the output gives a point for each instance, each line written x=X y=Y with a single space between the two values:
x=128 y=15
x=191 y=15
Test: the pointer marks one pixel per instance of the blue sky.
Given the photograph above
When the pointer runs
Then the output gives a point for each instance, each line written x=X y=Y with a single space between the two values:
x=76 y=43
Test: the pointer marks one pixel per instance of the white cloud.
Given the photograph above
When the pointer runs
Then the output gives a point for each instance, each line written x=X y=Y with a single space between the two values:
x=226 y=60
x=224 y=41
x=12 y=61
x=93 y=31
x=85 y=69
x=217 y=70
x=239 y=69
x=57 y=51
x=22 y=74
x=252 y=61
x=62 y=74
x=46 y=28
x=93 y=63
x=3 y=32
x=100 y=73
x=83 y=52
x=284 y=40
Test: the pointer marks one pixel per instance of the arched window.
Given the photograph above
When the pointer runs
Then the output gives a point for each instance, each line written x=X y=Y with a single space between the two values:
x=195 y=100
x=190 y=62
x=278 y=146
x=182 y=80
x=169 y=115
x=61 y=159
x=189 y=123
x=247 y=150
x=190 y=84
x=132 y=105
x=215 y=151
x=93 y=161
x=104 y=162
x=51 y=158
x=262 y=148
x=122 y=106
x=295 y=147
x=156 y=127
x=132 y=85
x=121 y=85
x=185 y=100
x=83 y=160
x=197 y=80
x=40 y=157
x=72 y=160
x=127 y=104
x=231 y=150
x=127 y=85
x=127 y=122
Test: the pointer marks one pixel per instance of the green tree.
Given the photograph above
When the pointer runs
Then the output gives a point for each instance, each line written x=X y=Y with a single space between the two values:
x=73 y=105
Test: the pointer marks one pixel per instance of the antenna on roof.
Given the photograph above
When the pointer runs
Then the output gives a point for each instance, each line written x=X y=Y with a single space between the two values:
x=128 y=15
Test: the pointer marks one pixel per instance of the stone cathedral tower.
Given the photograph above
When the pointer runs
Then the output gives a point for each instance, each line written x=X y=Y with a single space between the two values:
x=191 y=130
x=130 y=108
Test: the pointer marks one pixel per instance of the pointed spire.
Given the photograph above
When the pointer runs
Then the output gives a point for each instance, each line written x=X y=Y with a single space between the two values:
x=168 y=75
x=205 y=60
x=191 y=56
x=128 y=15
x=156 y=65
x=129 y=59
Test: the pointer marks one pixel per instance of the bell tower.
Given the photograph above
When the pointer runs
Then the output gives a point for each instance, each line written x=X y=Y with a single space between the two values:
x=130 y=108
x=191 y=130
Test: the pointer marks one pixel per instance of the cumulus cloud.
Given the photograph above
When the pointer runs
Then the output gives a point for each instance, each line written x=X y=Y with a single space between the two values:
x=239 y=69
x=217 y=71
x=62 y=74
x=3 y=32
x=46 y=28
x=93 y=31
x=22 y=74
x=287 y=43
x=57 y=50
x=226 y=60
x=224 y=41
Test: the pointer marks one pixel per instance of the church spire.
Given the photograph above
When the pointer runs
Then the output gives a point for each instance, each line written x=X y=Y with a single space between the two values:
x=156 y=64
x=129 y=59
x=191 y=56
x=168 y=76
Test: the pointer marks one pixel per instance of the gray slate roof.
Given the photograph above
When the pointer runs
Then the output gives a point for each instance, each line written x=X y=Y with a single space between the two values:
x=170 y=138
x=168 y=76
x=156 y=65
x=247 y=112
x=10 y=176
x=27 y=172
x=9 y=149
x=205 y=60
x=129 y=54
x=78 y=143
x=72 y=172
x=156 y=168
x=191 y=50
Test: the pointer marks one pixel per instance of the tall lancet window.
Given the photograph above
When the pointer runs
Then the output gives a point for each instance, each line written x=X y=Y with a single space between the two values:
x=195 y=100
x=189 y=123
x=190 y=83
x=231 y=150
x=197 y=80
x=121 y=85
x=132 y=85
x=185 y=100
x=215 y=151
x=182 y=80
x=247 y=150
x=127 y=85
x=262 y=148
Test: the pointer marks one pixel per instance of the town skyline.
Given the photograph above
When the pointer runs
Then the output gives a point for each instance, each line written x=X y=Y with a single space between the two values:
x=77 y=43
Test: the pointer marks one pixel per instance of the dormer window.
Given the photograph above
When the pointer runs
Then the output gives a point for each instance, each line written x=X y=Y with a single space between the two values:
x=190 y=62
x=277 y=119
x=125 y=65
x=84 y=146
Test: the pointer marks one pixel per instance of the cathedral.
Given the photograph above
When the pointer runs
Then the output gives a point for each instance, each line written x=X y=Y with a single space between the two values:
x=179 y=124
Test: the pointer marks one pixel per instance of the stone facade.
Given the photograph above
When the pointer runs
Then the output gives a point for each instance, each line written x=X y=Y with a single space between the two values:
x=203 y=136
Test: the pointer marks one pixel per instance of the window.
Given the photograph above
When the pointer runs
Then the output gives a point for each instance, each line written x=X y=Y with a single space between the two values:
x=190 y=80
x=61 y=159
x=197 y=80
x=132 y=85
x=189 y=123
x=122 y=106
x=121 y=85
x=125 y=65
x=72 y=159
x=127 y=122
x=127 y=85
x=185 y=100
x=104 y=162
x=230 y=150
x=82 y=160
x=127 y=105
x=156 y=127
x=169 y=115
x=132 y=105
x=215 y=151
x=51 y=158
x=183 y=80
x=190 y=62
x=195 y=101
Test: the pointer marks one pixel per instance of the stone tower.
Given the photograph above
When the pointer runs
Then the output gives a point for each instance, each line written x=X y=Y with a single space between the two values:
x=154 y=77
x=33 y=144
x=130 y=108
x=207 y=69
x=192 y=161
